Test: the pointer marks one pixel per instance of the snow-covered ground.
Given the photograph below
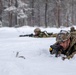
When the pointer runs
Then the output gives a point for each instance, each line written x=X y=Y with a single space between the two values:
x=38 y=60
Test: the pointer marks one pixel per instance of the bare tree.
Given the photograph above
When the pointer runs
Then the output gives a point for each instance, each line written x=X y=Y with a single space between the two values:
x=58 y=12
x=46 y=8
x=1 y=8
x=32 y=13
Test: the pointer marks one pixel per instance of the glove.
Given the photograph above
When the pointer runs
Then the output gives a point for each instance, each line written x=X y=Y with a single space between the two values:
x=55 y=49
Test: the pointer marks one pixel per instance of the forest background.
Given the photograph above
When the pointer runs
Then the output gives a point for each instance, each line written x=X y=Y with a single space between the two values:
x=41 y=13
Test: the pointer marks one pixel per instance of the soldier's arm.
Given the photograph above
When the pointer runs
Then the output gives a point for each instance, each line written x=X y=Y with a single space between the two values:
x=70 y=56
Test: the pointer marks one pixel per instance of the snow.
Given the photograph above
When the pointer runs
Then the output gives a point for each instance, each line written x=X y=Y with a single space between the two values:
x=38 y=60
x=11 y=8
x=21 y=14
x=21 y=4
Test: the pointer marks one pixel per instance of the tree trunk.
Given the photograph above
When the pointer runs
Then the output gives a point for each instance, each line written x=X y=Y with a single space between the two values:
x=10 y=19
x=72 y=14
x=46 y=8
x=32 y=13
x=58 y=6
x=1 y=8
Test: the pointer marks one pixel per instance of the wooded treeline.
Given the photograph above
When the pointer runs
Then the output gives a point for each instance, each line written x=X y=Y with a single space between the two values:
x=46 y=13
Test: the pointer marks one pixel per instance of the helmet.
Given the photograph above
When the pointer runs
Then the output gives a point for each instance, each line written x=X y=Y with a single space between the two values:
x=72 y=29
x=62 y=36
x=37 y=30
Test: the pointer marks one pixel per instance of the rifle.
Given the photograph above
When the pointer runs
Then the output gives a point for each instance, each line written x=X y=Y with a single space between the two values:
x=55 y=49
x=29 y=35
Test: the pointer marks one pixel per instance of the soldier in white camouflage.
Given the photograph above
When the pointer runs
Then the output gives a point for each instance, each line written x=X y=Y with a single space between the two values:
x=65 y=44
